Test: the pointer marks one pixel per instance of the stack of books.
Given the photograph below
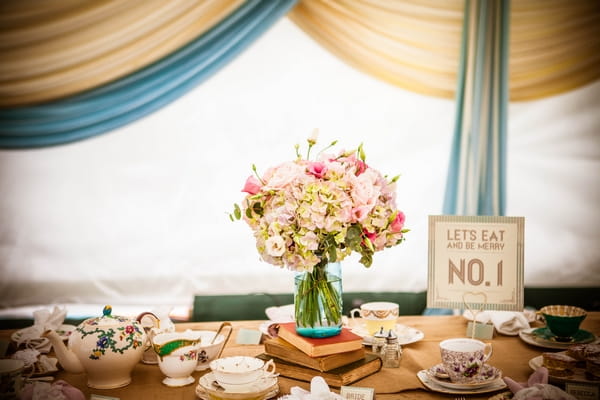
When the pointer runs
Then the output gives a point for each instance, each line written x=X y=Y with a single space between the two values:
x=340 y=360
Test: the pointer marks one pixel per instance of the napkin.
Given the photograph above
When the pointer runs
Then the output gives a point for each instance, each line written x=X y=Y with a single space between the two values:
x=318 y=391
x=59 y=390
x=505 y=322
x=281 y=314
x=42 y=321
x=536 y=388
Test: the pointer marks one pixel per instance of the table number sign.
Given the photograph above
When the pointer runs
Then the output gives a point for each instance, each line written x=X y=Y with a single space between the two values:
x=476 y=262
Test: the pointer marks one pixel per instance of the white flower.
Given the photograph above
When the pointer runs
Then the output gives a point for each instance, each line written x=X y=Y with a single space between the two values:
x=275 y=246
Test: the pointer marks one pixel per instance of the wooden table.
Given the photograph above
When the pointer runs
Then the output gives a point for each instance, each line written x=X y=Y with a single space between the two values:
x=511 y=355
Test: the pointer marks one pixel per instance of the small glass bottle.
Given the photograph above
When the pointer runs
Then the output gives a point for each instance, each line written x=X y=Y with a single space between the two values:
x=378 y=342
x=391 y=352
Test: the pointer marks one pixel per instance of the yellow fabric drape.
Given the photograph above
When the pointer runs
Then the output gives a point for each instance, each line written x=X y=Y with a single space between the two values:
x=54 y=48
x=415 y=44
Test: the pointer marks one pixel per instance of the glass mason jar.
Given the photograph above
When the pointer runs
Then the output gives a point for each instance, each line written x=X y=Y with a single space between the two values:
x=318 y=301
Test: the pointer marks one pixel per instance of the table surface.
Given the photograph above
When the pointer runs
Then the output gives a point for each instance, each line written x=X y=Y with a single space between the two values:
x=510 y=354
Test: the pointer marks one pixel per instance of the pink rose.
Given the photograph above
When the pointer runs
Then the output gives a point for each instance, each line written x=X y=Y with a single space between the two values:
x=317 y=169
x=252 y=185
x=398 y=222
x=360 y=167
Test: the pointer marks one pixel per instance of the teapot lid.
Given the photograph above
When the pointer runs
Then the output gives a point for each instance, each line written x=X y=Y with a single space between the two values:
x=108 y=319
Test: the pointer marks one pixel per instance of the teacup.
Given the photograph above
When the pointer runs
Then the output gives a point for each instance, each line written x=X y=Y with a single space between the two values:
x=235 y=373
x=177 y=356
x=377 y=315
x=563 y=321
x=463 y=358
x=211 y=345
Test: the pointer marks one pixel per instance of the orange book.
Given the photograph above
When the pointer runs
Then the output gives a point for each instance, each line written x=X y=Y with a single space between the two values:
x=318 y=347
x=277 y=347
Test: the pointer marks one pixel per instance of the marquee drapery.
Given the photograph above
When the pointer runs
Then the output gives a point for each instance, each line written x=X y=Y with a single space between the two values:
x=415 y=44
x=476 y=174
x=126 y=99
x=73 y=69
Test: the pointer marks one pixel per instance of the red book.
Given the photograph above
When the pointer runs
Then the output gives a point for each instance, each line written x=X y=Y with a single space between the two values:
x=317 y=347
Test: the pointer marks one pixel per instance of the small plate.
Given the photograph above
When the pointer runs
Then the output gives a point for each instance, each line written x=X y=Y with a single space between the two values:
x=579 y=374
x=406 y=334
x=262 y=389
x=542 y=337
x=490 y=375
x=430 y=383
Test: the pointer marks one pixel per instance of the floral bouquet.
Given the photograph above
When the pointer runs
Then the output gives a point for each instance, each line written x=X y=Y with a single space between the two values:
x=308 y=213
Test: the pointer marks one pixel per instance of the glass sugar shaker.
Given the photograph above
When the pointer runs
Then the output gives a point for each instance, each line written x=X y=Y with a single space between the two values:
x=391 y=352
x=378 y=342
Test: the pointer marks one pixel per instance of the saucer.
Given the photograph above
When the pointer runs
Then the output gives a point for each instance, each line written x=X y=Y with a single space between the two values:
x=264 y=388
x=542 y=337
x=178 y=382
x=488 y=376
x=406 y=334
x=433 y=384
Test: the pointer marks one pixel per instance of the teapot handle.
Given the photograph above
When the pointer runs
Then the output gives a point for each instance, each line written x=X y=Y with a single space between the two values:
x=221 y=327
x=155 y=320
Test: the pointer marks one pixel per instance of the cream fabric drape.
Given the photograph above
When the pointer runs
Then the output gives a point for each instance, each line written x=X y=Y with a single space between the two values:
x=55 y=48
x=415 y=44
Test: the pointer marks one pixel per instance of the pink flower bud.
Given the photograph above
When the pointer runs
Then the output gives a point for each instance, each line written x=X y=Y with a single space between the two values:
x=398 y=222
x=252 y=185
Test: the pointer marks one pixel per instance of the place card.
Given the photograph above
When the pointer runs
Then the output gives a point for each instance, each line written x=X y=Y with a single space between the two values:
x=481 y=331
x=357 y=393
x=248 y=336
x=476 y=262
x=582 y=391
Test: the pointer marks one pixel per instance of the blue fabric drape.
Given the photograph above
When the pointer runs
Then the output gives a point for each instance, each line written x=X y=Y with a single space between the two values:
x=476 y=176
x=139 y=94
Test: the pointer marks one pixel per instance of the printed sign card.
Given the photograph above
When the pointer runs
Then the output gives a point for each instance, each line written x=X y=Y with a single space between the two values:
x=476 y=261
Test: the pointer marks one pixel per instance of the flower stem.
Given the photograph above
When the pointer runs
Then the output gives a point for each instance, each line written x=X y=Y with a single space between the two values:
x=318 y=301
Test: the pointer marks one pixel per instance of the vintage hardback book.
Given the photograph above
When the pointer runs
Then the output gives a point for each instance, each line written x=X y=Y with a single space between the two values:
x=340 y=376
x=283 y=350
x=318 y=347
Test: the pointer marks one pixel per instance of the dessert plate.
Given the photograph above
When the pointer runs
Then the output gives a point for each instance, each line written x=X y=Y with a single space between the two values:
x=579 y=374
x=542 y=337
x=264 y=388
x=489 y=376
x=430 y=383
x=406 y=334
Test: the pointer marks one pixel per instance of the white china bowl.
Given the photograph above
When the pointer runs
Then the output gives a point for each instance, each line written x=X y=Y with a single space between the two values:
x=208 y=352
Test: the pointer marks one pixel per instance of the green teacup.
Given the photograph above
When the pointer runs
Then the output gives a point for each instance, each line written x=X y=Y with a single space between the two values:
x=562 y=320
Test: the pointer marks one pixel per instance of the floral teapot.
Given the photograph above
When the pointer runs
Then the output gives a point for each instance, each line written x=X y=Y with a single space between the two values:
x=106 y=348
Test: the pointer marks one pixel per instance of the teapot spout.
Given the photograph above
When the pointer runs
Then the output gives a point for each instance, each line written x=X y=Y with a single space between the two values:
x=67 y=358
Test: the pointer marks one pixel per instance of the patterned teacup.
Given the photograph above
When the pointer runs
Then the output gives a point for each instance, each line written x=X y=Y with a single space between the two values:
x=463 y=358
x=377 y=315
